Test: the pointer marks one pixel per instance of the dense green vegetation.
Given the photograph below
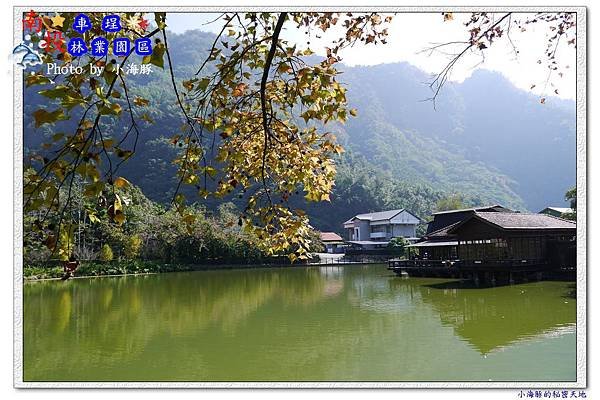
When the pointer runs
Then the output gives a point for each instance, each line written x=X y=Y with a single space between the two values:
x=152 y=239
x=452 y=202
x=100 y=268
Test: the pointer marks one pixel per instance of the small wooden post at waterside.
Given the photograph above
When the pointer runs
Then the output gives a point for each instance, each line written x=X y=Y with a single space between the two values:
x=69 y=268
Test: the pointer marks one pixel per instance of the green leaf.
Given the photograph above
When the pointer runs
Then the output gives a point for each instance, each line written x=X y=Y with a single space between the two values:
x=109 y=75
x=36 y=79
x=112 y=108
x=42 y=117
x=160 y=18
x=123 y=153
x=147 y=118
x=56 y=92
x=203 y=84
x=211 y=171
x=69 y=102
x=140 y=101
x=93 y=189
x=157 y=56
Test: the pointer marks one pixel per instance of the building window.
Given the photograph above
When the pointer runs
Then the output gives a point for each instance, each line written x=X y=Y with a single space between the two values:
x=379 y=228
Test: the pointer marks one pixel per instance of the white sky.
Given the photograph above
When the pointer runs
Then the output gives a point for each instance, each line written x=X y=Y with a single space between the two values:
x=410 y=33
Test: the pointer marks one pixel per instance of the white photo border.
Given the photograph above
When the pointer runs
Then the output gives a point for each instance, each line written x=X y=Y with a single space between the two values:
x=581 y=129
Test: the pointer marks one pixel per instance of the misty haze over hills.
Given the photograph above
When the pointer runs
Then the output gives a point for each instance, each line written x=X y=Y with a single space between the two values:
x=485 y=120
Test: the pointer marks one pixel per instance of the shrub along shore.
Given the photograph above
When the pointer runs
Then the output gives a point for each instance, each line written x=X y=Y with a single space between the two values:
x=135 y=267
x=152 y=239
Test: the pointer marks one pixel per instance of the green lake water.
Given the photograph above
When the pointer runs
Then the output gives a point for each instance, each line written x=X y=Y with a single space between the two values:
x=351 y=323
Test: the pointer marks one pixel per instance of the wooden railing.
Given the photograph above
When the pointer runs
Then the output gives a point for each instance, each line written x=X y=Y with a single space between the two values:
x=510 y=263
x=470 y=264
x=420 y=263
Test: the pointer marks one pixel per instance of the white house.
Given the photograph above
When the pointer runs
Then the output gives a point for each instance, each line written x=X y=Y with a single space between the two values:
x=376 y=229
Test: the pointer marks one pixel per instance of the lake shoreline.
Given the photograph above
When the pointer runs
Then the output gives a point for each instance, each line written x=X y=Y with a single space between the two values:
x=171 y=268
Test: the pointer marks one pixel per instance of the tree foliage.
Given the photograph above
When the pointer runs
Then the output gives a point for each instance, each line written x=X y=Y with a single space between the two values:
x=452 y=202
x=571 y=197
x=106 y=253
x=261 y=85
x=398 y=245
x=154 y=235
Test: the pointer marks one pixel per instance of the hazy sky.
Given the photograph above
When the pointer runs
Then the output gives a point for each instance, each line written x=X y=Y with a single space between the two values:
x=411 y=33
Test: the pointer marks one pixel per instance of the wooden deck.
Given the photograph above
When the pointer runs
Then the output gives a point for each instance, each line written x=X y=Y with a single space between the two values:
x=488 y=272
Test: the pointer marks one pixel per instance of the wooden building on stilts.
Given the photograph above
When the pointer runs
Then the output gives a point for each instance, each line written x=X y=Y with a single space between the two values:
x=493 y=245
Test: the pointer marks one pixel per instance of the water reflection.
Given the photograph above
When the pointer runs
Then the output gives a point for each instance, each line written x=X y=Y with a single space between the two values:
x=493 y=318
x=327 y=323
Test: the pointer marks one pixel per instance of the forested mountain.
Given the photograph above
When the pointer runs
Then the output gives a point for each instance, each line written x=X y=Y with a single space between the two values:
x=484 y=136
x=485 y=140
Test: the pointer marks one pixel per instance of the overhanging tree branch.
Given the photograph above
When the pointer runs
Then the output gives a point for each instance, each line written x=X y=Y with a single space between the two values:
x=263 y=88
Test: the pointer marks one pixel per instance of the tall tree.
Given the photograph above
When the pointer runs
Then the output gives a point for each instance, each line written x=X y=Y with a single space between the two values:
x=452 y=202
x=571 y=197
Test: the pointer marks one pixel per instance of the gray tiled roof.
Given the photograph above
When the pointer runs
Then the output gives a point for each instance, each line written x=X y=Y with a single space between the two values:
x=443 y=231
x=379 y=216
x=525 y=220
x=496 y=207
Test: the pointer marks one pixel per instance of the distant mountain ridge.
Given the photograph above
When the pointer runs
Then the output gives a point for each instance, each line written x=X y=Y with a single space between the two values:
x=485 y=121
x=485 y=139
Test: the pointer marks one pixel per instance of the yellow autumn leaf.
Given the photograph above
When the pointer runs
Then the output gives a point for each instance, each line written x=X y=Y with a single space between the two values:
x=117 y=203
x=189 y=219
x=239 y=90
x=119 y=217
x=121 y=182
